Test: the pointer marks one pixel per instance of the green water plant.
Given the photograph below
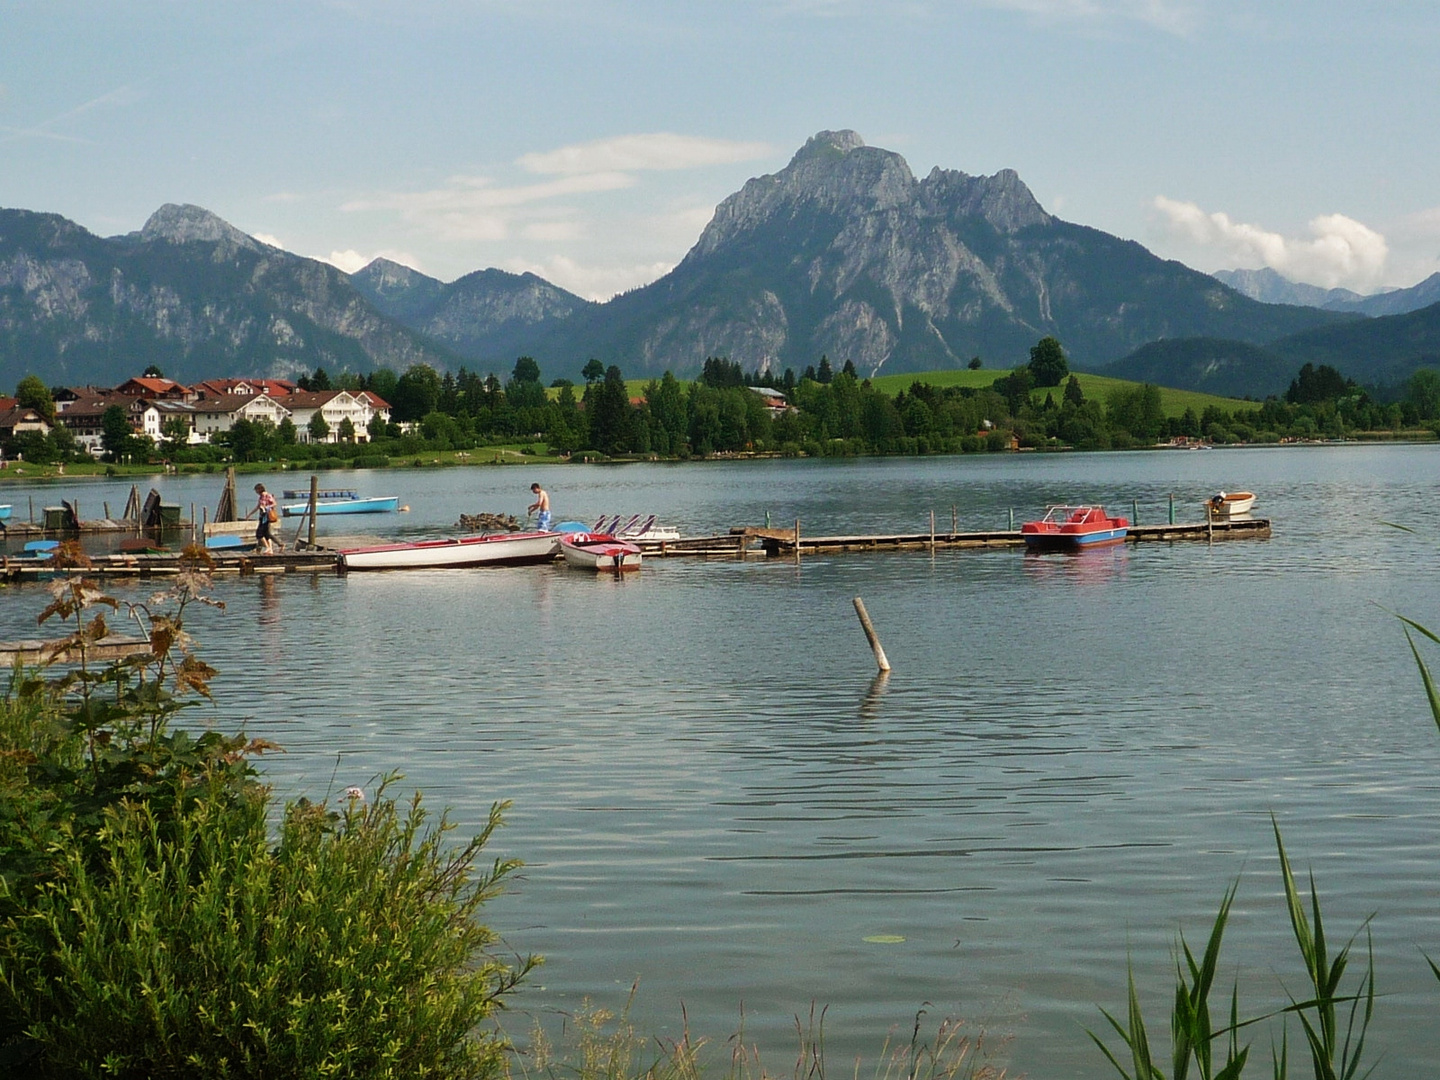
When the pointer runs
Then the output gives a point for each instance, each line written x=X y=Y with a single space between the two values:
x=1335 y=1022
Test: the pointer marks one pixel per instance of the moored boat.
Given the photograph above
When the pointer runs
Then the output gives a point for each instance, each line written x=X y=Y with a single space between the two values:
x=5 y=510
x=497 y=549
x=590 y=551
x=1231 y=503
x=1069 y=528
x=379 y=504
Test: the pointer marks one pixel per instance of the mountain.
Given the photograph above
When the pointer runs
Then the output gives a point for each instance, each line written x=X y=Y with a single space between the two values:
x=845 y=253
x=1384 y=351
x=1211 y=365
x=490 y=316
x=188 y=292
x=1271 y=287
x=1395 y=301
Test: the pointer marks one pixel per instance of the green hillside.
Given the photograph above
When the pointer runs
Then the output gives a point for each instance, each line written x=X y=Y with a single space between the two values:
x=1175 y=402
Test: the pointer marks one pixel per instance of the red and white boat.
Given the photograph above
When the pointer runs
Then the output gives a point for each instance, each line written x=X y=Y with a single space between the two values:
x=591 y=551
x=495 y=549
x=1071 y=528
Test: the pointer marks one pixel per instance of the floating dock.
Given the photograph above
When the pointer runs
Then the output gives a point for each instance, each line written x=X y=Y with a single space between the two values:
x=790 y=542
x=737 y=543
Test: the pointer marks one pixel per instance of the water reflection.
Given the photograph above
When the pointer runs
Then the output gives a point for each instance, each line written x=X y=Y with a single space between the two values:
x=1086 y=567
x=870 y=703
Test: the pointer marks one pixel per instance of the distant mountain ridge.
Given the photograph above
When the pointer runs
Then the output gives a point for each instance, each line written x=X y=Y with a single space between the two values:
x=1379 y=352
x=845 y=253
x=1271 y=287
x=489 y=316
x=188 y=292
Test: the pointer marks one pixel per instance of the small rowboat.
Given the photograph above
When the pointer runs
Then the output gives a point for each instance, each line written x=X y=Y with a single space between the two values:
x=1232 y=503
x=379 y=504
x=5 y=510
x=497 y=549
x=590 y=551
x=1071 y=528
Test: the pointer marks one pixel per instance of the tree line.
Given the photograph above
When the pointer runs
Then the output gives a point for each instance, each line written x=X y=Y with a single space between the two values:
x=828 y=413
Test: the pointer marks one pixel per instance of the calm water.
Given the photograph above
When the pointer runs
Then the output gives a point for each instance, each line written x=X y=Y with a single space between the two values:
x=1072 y=758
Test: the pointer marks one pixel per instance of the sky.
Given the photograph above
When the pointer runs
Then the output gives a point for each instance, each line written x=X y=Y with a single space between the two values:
x=589 y=141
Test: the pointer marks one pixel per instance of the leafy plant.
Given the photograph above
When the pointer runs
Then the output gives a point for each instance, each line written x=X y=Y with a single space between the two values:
x=152 y=926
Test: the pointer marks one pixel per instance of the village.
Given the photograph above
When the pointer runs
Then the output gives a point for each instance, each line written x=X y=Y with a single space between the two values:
x=164 y=410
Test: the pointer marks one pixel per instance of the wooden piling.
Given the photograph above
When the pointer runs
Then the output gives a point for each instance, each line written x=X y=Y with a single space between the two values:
x=932 y=532
x=870 y=635
x=314 y=496
x=1134 y=511
x=954 y=521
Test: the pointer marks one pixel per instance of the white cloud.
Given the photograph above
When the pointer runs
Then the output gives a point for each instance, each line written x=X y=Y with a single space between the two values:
x=1172 y=16
x=473 y=208
x=632 y=153
x=1340 y=250
x=592 y=282
x=273 y=241
x=552 y=232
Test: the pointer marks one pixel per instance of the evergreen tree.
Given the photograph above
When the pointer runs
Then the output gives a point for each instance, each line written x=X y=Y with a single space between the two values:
x=823 y=374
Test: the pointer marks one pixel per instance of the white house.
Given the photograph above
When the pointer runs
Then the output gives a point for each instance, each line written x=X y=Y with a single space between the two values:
x=218 y=414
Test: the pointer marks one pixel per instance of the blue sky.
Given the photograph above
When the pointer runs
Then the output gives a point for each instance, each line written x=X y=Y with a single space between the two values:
x=590 y=140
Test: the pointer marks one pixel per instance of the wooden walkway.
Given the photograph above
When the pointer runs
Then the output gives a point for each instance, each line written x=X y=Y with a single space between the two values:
x=783 y=542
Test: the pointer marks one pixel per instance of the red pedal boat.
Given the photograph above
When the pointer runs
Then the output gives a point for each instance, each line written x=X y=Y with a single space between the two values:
x=1071 y=528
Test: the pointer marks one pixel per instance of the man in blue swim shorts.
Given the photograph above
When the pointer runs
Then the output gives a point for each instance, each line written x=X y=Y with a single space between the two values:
x=542 y=504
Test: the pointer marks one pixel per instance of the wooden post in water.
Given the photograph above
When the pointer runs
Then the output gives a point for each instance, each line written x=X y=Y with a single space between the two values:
x=1209 y=524
x=1134 y=511
x=1172 y=508
x=932 y=532
x=192 y=521
x=1012 y=519
x=954 y=522
x=106 y=504
x=870 y=635
x=32 y=509
x=314 y=496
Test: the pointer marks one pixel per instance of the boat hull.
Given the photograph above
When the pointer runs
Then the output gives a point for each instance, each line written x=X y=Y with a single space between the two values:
x=5 y=511
x=380 y=505
x=1058 y=541
x=502 y=549
x=600 y=553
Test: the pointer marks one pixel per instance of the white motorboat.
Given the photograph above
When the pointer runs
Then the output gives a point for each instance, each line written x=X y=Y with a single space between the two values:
x=495 y=549
x=1232 y=503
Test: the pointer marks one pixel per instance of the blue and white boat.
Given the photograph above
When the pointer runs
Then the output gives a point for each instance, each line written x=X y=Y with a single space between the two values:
x=5 y=509
x=379 y=504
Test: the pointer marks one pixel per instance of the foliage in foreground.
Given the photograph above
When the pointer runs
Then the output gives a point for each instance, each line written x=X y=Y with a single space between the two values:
x=151 y=925
x=596 y=1044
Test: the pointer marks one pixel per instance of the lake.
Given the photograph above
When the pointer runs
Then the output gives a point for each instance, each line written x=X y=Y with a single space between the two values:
x=1071 y=761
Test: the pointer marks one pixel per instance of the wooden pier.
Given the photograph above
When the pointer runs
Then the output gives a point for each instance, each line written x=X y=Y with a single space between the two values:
x=790 y=542
x=737 y=543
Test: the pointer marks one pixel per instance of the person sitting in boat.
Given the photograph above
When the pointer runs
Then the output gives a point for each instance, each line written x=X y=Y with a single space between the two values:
x=542 y=504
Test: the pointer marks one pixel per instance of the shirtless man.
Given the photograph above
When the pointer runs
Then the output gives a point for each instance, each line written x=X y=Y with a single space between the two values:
x=542 y=504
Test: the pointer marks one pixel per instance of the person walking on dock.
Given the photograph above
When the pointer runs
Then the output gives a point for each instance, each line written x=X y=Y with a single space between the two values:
x=267 y=514
x=542 y=504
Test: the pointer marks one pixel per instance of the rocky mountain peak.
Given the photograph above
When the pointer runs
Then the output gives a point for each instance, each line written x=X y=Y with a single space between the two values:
x=1003 y=199
x=833 y=174
x=183 y=223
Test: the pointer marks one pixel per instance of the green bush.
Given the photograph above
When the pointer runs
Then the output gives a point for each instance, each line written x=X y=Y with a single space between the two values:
x=371 y=461
x=151 y=925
